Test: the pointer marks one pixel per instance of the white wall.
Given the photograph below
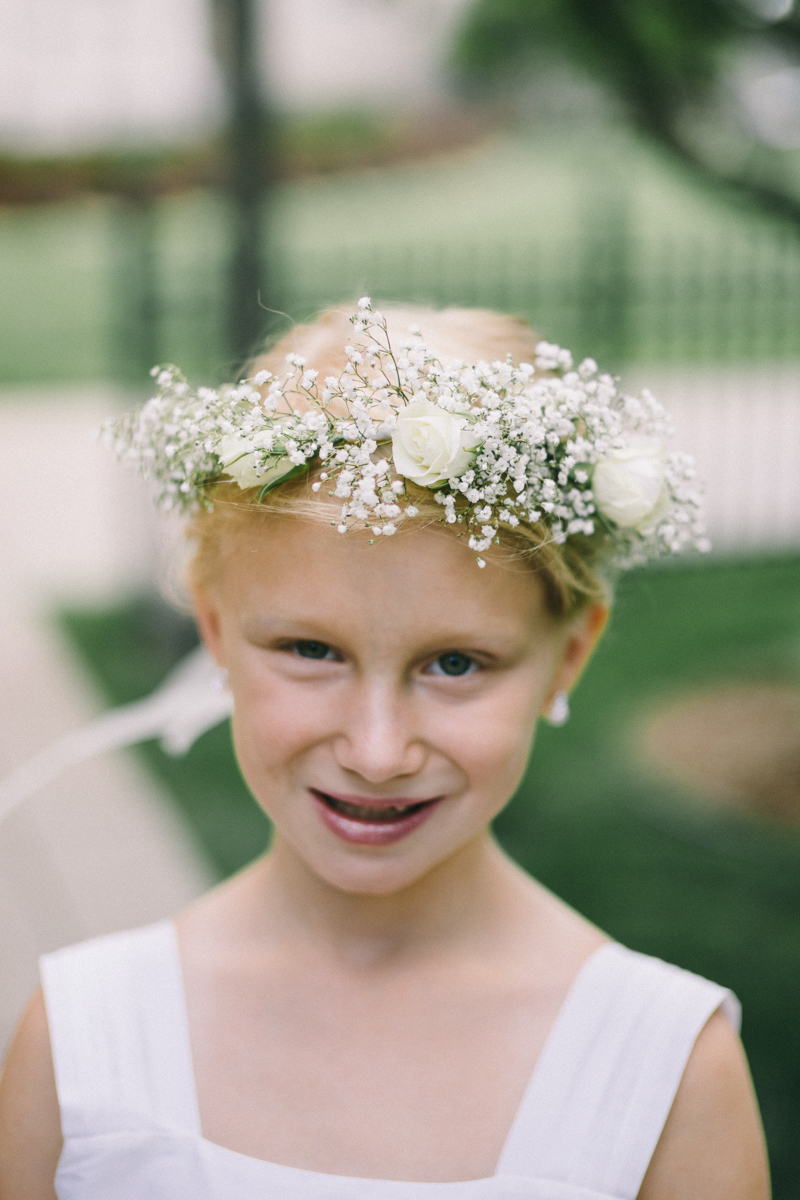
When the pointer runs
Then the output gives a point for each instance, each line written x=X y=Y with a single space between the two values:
x=75 y=74
x=79 y=73
x=338 y=52
x=742 y=424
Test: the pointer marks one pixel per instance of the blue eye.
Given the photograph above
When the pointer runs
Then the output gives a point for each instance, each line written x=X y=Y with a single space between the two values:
x=453 y=663
x=316 y=650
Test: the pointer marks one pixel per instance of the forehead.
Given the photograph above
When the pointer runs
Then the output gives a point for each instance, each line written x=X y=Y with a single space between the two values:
x=424 y=577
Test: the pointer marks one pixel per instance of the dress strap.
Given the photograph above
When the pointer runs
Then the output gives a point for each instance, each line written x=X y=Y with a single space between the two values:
x=606 y=1079
x=118 y=1030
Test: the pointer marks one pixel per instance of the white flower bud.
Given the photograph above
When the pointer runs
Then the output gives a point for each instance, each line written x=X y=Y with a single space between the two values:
x=629 y=486
x=429 y=445
x=238 y=461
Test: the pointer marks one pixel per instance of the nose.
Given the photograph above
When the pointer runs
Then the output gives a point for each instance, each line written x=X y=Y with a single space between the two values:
x=377 y=739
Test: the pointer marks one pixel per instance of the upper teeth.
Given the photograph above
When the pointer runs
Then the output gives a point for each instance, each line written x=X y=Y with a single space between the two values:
x=366 y=812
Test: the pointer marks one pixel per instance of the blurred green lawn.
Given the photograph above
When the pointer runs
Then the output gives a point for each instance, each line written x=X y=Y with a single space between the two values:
x=530 y=223
x=660 y=870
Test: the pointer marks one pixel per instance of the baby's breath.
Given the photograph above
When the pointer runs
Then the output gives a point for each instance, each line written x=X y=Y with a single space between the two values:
x=528 y=439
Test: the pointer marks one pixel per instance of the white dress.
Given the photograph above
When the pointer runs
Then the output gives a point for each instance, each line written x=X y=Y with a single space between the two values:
x=585 y=1130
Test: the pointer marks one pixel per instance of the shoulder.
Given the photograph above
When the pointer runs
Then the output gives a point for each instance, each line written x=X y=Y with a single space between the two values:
x=712 y=1144
x=30 y=1124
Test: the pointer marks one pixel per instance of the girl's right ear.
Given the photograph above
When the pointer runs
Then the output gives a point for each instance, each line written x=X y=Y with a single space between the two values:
x=207 y=616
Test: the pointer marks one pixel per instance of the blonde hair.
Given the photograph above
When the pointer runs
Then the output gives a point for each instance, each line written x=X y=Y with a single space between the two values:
x=572 y=574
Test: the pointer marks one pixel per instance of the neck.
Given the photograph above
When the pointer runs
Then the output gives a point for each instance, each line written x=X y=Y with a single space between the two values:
x=460 y=901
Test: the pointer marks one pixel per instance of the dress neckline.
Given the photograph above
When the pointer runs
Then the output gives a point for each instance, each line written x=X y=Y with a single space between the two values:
x=528 y=1099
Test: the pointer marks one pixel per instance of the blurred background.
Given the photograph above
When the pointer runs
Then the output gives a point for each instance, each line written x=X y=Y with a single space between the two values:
x=180 y=181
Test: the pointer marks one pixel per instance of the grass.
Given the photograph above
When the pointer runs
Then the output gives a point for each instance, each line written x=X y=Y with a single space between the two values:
x=129 y=649
x=563 y=229
x=715 y=892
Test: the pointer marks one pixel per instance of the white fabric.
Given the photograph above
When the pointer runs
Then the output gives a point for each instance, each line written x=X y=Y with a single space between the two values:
x=186 y=703
x=586 y=1128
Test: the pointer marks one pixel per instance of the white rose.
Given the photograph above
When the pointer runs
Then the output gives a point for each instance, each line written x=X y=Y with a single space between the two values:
x=237 y=458
x=430 y=445
x=629 y=487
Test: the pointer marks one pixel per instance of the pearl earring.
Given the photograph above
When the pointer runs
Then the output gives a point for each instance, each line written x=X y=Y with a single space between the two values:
x=559 y=709
x=220 y=679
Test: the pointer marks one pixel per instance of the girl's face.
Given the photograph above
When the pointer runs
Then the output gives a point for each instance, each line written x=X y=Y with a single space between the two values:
x=385 y=696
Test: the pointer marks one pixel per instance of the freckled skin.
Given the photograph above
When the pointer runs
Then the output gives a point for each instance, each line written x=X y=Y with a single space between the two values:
x=377 y=717
x=396 y=672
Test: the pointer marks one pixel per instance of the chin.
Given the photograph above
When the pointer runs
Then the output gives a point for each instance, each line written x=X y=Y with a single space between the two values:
x=372 y=876
x=383 y=872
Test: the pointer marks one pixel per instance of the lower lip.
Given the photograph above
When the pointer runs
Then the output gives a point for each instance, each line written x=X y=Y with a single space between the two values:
x=371 y=833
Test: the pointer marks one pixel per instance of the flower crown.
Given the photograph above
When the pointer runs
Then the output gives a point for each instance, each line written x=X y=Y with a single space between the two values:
x=497 y=444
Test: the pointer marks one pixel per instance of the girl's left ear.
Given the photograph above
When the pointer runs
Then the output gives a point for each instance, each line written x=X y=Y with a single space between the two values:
x=582 y=637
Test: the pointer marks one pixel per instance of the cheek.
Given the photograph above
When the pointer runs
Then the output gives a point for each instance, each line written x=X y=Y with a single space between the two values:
x=272 y=732
x=273 y=720
x=491 y=740
x=500 y=757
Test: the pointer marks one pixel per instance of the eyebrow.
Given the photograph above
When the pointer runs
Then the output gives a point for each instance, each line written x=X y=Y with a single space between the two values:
x=267 y=625
x=493 y=642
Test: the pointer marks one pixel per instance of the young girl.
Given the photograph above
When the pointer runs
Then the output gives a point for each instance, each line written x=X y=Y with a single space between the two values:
x=402 y=563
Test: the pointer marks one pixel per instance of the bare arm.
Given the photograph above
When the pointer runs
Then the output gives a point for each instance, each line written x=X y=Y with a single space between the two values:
x=712 y=1144
x=30 y=1123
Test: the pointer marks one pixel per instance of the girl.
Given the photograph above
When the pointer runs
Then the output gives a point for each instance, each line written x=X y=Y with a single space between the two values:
x=401 y=563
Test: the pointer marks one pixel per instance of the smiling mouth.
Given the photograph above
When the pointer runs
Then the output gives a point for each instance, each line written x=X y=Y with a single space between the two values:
x=372 y=824
x=379 y=814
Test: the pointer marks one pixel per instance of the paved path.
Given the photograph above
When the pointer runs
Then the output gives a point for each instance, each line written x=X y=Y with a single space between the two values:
x=99 y=849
